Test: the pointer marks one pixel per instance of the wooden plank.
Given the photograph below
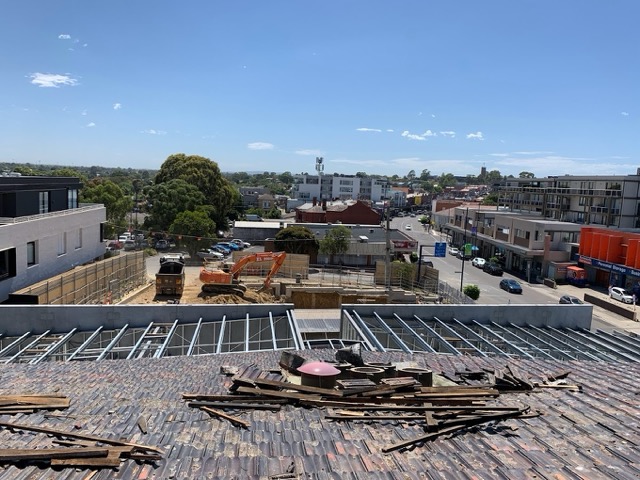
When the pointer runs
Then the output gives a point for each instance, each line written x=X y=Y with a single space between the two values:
x=234 y=420
x=279 y=394
x=299 y=388
x=21 y=454
x=236 y=406
x=60 y=433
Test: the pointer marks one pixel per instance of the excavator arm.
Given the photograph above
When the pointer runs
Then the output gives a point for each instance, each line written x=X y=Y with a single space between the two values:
x=277 y=257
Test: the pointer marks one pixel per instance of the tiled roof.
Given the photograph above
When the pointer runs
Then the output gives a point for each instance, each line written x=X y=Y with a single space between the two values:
x=593 y=434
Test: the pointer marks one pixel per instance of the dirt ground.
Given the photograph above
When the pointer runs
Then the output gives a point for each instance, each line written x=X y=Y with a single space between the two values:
x=193 y=294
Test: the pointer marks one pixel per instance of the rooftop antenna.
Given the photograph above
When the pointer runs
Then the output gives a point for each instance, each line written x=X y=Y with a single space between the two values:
x=320 y=170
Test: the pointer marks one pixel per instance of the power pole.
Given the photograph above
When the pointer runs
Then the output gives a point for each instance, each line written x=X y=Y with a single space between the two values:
x=387 y=264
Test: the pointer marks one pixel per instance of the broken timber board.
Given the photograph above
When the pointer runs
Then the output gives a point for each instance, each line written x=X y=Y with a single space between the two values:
x=61 y=433
x=236 y=406
x=300 y=388
x=279 y=394
x=23 y=454
x=218 y=413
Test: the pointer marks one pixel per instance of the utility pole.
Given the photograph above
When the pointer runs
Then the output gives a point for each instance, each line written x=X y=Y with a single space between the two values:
x=464 y=247
x=387 y=262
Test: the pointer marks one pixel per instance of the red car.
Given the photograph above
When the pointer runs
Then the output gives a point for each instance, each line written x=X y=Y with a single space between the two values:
x=114 y=245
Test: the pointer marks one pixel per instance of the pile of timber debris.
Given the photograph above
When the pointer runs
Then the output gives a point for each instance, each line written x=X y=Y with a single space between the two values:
x=74 y=449
x=442 y=410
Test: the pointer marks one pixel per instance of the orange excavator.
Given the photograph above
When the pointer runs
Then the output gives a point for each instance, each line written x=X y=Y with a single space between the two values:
x=218 y=280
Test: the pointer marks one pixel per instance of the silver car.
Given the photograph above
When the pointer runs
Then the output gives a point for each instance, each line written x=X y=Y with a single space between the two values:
x=620 y=294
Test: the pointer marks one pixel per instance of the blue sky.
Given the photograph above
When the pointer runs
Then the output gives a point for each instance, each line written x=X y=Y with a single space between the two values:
x=382 y=87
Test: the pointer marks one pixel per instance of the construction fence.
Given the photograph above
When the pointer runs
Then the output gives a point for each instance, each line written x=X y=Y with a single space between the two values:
x=100 y=282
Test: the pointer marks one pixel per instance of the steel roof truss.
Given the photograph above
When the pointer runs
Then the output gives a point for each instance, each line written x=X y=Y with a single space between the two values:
x=30 y=345
x=450 y=330
x=113 y=343
x=54 y=347
x=417 y=336
x=436 y=336
x=139 y=342
x=17 y=341
x=553 y=351
x=483 y=341
x=575 y=350
x=160 y=351
x=85 y=344
x=393 y=334
x=368 y=334
x=194 y=338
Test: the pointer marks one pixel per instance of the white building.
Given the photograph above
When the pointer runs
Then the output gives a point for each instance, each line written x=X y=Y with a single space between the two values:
x=342 y=187
x=43 y=230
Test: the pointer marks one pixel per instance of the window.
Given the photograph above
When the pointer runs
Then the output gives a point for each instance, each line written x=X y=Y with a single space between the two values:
x=62 y=243
x=44 y=202
x=72 y=198
x=78 y=239
x=31 y=254
x=7 y=263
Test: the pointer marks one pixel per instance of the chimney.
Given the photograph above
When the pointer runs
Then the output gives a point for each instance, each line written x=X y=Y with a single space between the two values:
x=315 y=200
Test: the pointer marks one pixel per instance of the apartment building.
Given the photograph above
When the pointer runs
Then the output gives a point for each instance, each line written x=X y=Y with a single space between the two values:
x=44 y=231
x=525 y=243
x=339 y=187
x=610 y=201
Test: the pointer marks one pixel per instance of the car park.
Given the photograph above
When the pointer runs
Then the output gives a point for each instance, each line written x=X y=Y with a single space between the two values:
x=570 y=300
x=492 y=268
x=478 y=262
x=620 y=294
x=453 y=251
x=510 y=285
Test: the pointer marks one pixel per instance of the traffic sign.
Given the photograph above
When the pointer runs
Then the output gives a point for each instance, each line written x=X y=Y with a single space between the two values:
x=440 y=249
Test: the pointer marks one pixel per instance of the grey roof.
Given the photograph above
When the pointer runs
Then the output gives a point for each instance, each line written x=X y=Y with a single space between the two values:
x=592 y=434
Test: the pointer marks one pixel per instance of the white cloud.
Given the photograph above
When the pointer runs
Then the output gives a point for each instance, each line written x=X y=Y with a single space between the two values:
x=498 y=154
x=624 y=114
x=390 y=130
x=316 y=153
x=91 y=124
x=364 y=129
x=52 y=80
x=117 y=106
x=475 y=136
x=429 y=133
x=260 y=146
x=412 y=136
x=64 y=36
x=448 y=133
x=533 y=152
x=151 y=131
x=83 y=113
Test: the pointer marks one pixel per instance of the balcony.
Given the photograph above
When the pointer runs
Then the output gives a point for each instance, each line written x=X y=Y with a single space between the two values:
x=85 y=207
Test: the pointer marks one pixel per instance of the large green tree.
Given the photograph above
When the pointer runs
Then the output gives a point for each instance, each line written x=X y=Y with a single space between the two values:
x=335 y=242
x=204 y=174
x=194 y=230
x=117 y=204
x=296 y=239
x=168 y=199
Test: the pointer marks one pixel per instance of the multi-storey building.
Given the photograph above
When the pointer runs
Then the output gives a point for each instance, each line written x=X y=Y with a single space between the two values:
x=339 y=187
x=44 y=231
x=526 y=243
x=611 y=201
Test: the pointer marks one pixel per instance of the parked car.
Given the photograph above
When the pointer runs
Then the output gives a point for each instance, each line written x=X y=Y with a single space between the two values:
x=241 y=243
x=492 y=268
x=162 y=245
x=210 y=254
x=463 y=256
x=114 y=245
x=407 y=227
x=570 y=299
x=453 y=251
x=620 y=294
x=478 y=262
x=229 y=245
x=222 y=249
x=511 y=286
x=129 y=245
